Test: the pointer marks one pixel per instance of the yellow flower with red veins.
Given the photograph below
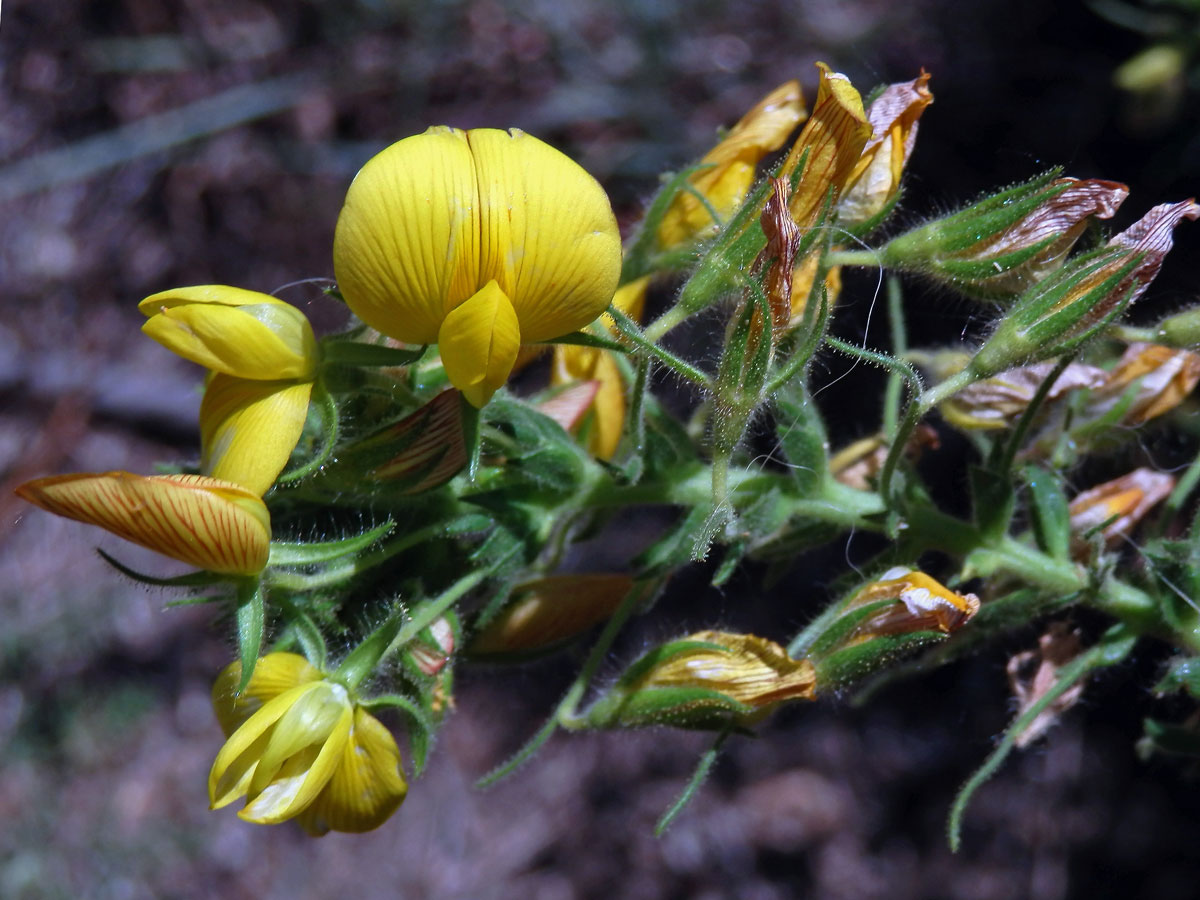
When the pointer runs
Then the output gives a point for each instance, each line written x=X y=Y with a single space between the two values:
x=728 y=169
x=478 y=241
x=301 y=748
x=573 y=362
x=263 y=358
x=216 y=525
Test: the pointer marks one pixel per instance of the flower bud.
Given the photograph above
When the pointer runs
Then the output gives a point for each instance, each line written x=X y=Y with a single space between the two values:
x=1181 y=329
x=710 y=679
x=911 y=601
x=547 y=612
x=858 y=465
x=1066 y=308
x=1121 y=503
x=1006 y=243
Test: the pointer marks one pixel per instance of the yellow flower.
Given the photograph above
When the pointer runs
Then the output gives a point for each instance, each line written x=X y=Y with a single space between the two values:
x=479 y=241
x=263 y=361
x=216 y=525
x=300 y=748
x=576 y=363
x=729 y=167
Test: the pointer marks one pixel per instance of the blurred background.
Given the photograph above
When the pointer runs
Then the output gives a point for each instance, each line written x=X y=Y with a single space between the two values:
x=149 y=144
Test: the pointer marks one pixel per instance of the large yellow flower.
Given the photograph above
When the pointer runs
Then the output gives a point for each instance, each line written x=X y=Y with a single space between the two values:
x=300 y=748
x=479 y=241
x=263 y=358
x=216 y=525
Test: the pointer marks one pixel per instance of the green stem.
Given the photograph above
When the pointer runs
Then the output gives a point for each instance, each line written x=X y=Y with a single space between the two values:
x=870 y=258
x=672 y=318
x=630 y=330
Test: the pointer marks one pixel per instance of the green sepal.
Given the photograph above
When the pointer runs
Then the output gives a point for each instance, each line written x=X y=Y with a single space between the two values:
x=699 y=776
x=336 y=351
x=420 y=727
x=800 y=430
x=680 y=707
x=299 y=553
x=251 y=623
x=1181 y=330
x=1183 y=675
x=191 y=579
x=583 y=339
x=363 y=659
x=992 y=500
x=850 y=664
x=673 y=549
x=640 y=255
x=305 y=631
x=1050 y=517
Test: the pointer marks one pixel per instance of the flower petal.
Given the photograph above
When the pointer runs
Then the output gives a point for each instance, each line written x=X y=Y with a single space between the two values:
x=479 y=341
x=234 y=767
x=267 y=340
x=547 y=233
x=406 y=249
x=248 y=429
x=834 y=138
x=202 y=521
x=274 y=674
x=301 y=779
x=367 y=786
x=608 y=409
x=312 y=719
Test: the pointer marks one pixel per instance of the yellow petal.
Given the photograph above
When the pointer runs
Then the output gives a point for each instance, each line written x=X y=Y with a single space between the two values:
x=208 y=523
x=248 y=429
x=731 y=164
x=479 y=341
x=406 y=249
x=273 y=674
x=312 y=719
x=367 y=786
x=300 y=780
x=608 y=418
x=547 y=233
x=267 y=339
x=630 y=299
x=234 y=767
x=833 y=138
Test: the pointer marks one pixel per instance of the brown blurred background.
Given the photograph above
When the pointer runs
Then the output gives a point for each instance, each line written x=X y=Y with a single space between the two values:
x=148 y=144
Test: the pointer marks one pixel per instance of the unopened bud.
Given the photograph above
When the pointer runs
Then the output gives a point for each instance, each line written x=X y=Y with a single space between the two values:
x=1006 y=243
x=1116 y=506
x=1160 y=378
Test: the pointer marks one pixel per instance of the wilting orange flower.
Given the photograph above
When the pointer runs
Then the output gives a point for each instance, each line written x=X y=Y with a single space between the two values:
x=1164 y=376
x=550 y=610
x=216 y=525
x=729 y=167
x=858 y=464
x=921 y=604
x=1124 y=501
x=875 y=179
x=998 y=401
x=831 y=144
x=746 y=668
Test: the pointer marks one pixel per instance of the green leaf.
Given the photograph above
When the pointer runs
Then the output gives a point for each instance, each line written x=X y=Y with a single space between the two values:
x=420 y=727
x=801 y=433
x=299 y=553
x=992 y=500
x=356 y=353
x=583 y=339
x=251 y=616
x=703 y=767
x=191 y=579
x=1048 y=506
x=1168 y=738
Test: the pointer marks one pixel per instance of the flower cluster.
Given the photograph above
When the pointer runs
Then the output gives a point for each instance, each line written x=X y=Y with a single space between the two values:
x=377 y=507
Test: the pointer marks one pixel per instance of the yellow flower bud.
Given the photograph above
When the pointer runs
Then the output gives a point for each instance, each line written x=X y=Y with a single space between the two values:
x=300 y=748
x=216 y=525
x=480 y=241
